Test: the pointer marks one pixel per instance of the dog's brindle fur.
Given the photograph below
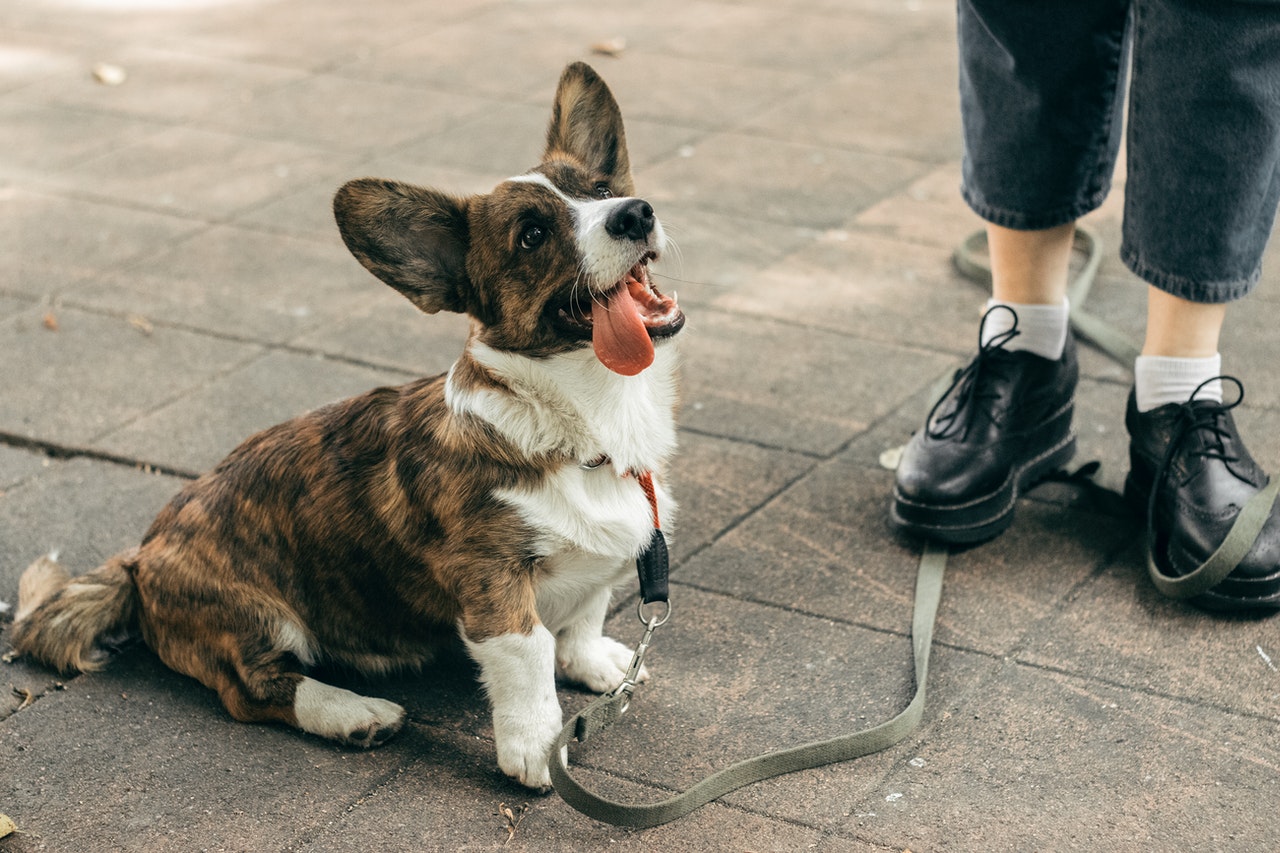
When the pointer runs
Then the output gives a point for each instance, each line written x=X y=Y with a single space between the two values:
x=369 y=531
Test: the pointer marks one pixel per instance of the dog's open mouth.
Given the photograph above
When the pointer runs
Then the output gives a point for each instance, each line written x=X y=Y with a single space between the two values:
x=624 y=321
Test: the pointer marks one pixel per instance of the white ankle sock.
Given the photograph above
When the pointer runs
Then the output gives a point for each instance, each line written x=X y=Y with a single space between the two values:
x=1159 y=379
x=1042 y=328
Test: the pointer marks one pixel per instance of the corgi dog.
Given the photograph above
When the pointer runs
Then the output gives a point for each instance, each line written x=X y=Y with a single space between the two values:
x=502 y=501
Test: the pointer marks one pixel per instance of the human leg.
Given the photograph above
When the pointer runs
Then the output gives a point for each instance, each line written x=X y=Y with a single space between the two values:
x=1204 y=181
x=1029 y=277
x=1041 y=92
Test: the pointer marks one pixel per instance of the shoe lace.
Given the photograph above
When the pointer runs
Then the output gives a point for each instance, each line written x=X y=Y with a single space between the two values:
x=1207 y=419
x=967 y=387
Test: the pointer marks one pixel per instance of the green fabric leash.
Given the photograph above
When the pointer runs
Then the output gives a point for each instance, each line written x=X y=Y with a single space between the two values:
x=1222 y=562
x=604 y=711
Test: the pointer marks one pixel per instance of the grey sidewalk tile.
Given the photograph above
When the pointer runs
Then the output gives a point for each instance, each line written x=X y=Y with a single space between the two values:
x=339 y=113
x=506 y=138
x=816 y=42
x=718 y=482
x=309 y=35
x=501 y=138
x=308 y=210
x=1256 y=425
x=1250 y=349
x=930 y=211
x=1100 y=431
x=95 y=373
x=1039 y=760
x=870 y=288
x=825 y=547
x=238 y=282
x=791 y=183
x=495 y=58
x=384 y=328
x=40 y=141
x=924 y=125
x=17 y=464
x=50 y=241
x=139 y=758
x=87 y=511
x=172 y=169
x=195 y=432
x=1118 y=629
x=10 y=305
x=96 y=28
x=499 y=54
x=167 y=85
x=714 y=255
x=651 y=84
x=31 y=57
x=801 y=393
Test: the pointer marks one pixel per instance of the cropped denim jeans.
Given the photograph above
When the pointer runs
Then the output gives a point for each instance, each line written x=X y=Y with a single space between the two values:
x=1042 y=92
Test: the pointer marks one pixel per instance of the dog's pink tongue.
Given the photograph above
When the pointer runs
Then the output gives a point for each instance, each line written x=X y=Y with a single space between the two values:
x=618 y=334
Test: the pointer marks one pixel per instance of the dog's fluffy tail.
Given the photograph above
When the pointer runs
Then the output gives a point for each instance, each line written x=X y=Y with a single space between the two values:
x=69 y=623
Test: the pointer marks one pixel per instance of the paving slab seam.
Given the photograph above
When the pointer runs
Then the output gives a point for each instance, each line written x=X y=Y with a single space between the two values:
x=35 y=184
x=266 y=345
x=904 y=633
x=744 y=128
x=370 y=792
x=1132 y=687
x=63 y=451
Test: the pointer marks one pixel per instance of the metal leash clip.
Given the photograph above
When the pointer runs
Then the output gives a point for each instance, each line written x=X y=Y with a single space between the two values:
x=629 y=681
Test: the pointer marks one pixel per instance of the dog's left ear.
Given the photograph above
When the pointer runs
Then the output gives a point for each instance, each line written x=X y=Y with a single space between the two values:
x=415 y=239
x=586 y=125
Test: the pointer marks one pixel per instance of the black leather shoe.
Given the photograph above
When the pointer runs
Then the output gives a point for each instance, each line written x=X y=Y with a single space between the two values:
x=1190 y=475
x=1002 y=426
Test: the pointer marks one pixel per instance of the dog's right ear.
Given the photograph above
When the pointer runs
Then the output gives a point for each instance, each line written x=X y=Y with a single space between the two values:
x=415 y=239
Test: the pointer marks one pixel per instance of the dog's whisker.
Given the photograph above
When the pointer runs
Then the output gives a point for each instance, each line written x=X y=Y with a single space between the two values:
x=693 y=281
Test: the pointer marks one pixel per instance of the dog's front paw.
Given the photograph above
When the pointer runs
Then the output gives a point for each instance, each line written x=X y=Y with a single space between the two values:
x=523 y=746
x=599 y=664
x=527 y=764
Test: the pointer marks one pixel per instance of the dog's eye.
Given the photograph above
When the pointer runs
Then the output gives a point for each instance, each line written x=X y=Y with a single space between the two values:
x=603 y=190
x=532 y=236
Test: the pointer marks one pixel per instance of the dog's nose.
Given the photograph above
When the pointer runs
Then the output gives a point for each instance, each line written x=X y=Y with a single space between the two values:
x=631 y=219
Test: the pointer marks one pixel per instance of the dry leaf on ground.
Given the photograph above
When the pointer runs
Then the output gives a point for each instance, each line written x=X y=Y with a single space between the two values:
x=610 y=47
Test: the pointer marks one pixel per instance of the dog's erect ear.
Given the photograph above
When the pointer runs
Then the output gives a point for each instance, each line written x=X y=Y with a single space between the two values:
x=414 y=239
x=586 y=124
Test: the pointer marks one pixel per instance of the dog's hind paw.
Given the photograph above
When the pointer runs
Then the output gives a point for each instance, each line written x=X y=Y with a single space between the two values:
x=599 y=665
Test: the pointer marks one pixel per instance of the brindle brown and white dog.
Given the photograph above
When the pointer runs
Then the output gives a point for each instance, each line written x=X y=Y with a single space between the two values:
x=502 y=500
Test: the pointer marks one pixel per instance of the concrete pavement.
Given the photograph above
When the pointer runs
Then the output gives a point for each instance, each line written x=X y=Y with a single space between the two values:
x=172 y=281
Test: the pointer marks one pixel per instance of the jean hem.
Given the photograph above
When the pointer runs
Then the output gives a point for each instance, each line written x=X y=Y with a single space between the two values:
x=1204 y=292
x=1037 y=221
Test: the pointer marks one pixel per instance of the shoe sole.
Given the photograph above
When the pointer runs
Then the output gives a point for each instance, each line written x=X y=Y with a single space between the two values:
x=1021 y=480
x=1137 y=498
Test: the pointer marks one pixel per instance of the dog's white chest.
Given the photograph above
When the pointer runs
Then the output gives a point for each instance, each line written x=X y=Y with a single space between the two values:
x=589 y=526
x=590 y=511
